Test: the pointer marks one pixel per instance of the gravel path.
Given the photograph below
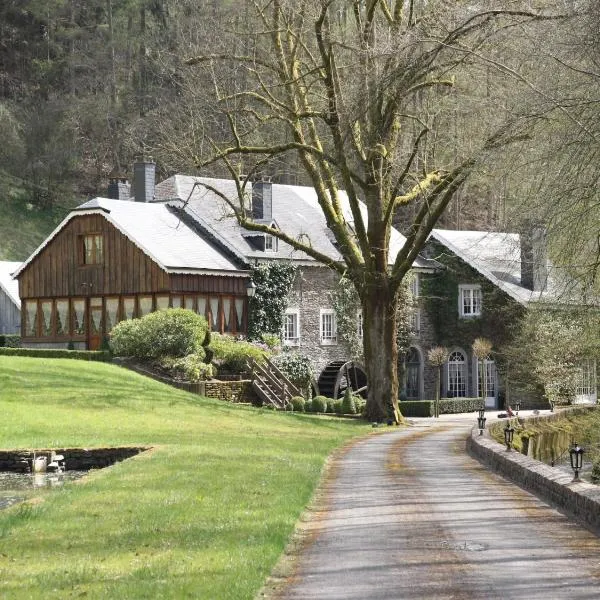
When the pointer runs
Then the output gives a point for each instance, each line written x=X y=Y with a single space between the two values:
x=409 y=515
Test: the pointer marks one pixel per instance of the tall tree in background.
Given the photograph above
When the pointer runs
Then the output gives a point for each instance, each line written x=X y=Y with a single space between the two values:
x=355 y=89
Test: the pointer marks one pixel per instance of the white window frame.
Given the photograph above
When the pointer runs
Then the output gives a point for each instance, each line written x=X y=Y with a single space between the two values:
x=327 y=333
x=586 y=390
x=291 y=340
x=471 y=293
x=415 y=285
x=270 y=243
x=456 y=375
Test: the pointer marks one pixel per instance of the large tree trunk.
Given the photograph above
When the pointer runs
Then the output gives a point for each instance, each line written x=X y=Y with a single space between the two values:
x=381 y=352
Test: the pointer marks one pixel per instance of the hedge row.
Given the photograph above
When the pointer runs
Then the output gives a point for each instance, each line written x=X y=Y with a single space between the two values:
x=10 y=340
x=448 y=406
x=56 y=353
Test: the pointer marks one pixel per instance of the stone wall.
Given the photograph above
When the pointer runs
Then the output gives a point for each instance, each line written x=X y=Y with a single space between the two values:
x=76 y=459
x=311 y=293
x=579 y=499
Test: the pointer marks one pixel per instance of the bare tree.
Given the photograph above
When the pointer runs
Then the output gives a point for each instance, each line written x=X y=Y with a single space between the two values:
x=356 y=90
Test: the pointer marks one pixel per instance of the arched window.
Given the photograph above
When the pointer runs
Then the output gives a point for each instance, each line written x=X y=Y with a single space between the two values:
x=413 y=374
x=457 y=375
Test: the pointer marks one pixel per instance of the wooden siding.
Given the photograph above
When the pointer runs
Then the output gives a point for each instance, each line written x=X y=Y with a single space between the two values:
x=10 y=315
x=125 y=269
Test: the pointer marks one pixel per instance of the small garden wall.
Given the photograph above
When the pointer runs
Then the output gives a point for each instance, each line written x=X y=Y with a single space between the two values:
x=577 y=498
x=76 y=459
x=232 y=391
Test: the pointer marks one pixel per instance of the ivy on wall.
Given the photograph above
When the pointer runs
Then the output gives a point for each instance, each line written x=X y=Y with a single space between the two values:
x=346 y=304
x=501 y=315
x=273 y=282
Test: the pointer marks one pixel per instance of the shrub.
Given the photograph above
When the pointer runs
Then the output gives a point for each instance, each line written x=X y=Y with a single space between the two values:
x=319 y=404
x=296 y=367
x=10 y=340
x=595 y=476
x=309 y=406
x=338 y=408
x=298 y=403
x=193 y=368
x=170 y=332
x=360 y=404
x=348 y=406
x=232 y=355
x=330 y=408
x=57 y=353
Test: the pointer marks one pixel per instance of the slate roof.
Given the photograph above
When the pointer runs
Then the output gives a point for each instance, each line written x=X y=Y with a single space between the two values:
x=9 y=285
x=295 y=211
x=497 y=256
x=159 y=233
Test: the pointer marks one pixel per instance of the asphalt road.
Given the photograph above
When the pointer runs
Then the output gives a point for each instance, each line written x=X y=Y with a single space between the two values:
x=409 y=515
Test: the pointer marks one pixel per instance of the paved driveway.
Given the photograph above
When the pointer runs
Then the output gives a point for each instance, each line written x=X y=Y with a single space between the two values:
x=409 y=515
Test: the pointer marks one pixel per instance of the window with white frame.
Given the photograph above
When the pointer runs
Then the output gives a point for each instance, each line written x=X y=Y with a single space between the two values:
x=469 y=300
x=457 y=375
x=270 y=243
x=328 y=327
x=291 y=327
x=586 y=381
x=415 y=285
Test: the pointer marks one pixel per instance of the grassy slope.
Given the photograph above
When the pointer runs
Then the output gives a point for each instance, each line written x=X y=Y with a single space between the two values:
x=204 y=515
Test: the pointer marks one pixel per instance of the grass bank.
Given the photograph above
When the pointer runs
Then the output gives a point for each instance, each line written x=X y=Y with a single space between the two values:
x=204 y=515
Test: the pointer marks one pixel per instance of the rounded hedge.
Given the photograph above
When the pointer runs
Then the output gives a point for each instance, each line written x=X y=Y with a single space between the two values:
x=319 y=404
x=170 y=332
x=298 y=403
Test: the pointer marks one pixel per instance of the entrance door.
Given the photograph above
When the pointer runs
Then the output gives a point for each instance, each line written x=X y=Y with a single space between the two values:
x=488 y=383
x=95 y=324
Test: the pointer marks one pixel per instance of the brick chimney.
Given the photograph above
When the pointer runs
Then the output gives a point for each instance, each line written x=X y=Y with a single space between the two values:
x=144 y=174
x=534 y=258
x=262 y=201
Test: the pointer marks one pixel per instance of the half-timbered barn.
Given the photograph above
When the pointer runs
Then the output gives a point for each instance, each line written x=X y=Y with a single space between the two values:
x=117 y=259
x=10 y=303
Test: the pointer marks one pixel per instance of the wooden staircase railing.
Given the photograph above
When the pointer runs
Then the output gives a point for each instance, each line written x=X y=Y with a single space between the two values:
x=271 y=385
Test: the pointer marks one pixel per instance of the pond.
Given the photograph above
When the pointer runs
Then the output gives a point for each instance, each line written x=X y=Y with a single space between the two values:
x=16 y=487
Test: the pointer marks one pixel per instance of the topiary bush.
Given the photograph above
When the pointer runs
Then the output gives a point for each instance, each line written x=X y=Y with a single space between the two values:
x=10 y=340
x=231 y=355
x=298 y=403
x=319 y=404
x=308 y=406
x=348 y=405
x=171 y=332
x=338 y=408
x=330 y=407
x=360 y=404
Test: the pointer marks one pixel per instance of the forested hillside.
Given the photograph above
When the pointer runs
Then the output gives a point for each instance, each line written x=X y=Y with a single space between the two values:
x=86 y=86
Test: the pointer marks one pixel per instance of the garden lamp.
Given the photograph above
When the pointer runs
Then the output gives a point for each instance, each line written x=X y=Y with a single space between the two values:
x=509 y=432
x=250 y=288
x=576 y=455
x=481 y=423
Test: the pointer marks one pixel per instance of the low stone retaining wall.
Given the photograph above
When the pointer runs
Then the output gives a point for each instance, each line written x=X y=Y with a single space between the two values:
x=232 y=391
x=76 y=459
x=579 y=499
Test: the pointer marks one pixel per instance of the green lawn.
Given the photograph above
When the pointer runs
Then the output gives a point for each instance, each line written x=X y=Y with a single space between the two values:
x=205 y=514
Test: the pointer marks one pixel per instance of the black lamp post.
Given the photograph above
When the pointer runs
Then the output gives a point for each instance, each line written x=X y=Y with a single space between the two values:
x=509 y=432
x=576 y=455
x=517 y=406
x=481 y=422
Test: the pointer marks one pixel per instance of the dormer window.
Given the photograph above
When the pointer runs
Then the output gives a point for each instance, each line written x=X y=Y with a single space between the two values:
x=270 y=243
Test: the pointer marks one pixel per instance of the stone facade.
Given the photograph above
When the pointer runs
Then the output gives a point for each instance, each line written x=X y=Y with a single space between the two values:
x=311 y=293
